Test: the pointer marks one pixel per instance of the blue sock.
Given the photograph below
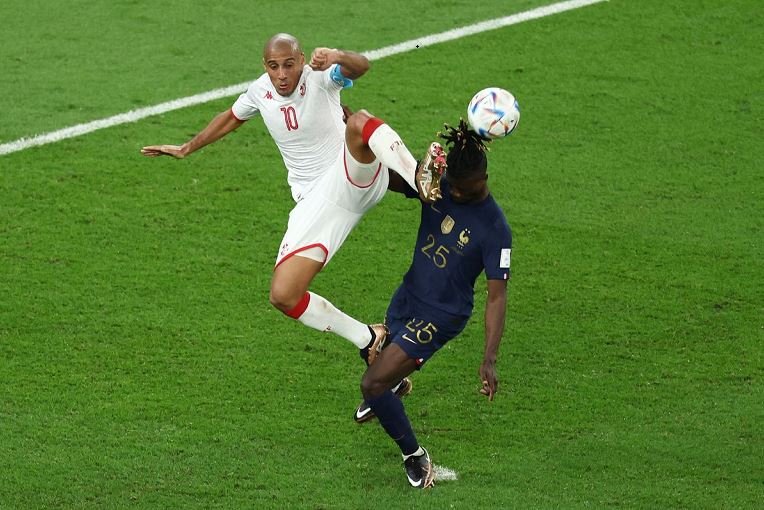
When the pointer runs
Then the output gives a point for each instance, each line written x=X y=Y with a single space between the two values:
x=392 y=417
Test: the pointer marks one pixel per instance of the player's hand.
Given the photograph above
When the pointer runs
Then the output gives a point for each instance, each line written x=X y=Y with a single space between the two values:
x=488 y=378
x=322 y=58
x=152 y=151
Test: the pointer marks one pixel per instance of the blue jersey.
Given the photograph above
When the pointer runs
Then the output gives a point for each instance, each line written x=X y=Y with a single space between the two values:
x=455 y=243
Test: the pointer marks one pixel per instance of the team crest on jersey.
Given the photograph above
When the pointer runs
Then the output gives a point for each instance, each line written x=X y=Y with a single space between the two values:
x=464 y=238
x=302 y=89
x=447 y=225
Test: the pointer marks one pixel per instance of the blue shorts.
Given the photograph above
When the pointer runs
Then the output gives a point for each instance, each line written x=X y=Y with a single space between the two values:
x=420 y=330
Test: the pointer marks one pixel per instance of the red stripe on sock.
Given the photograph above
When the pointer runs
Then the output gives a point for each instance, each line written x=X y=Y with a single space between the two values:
x=300 y=307
x=368 y=129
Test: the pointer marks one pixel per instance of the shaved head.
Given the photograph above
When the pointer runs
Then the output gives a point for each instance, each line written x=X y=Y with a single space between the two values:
x=283 y=43
x=283 y=60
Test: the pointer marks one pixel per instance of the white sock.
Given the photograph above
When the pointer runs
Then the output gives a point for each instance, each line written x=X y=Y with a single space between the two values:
x=392 y=152
x=320 y=314
x=415 y=454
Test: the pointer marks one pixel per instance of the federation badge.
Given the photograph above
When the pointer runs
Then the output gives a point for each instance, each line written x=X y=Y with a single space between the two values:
x=464 y=238
x=447 y=225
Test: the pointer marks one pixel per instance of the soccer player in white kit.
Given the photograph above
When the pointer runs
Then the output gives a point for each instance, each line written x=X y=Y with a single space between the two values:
x=337 y=169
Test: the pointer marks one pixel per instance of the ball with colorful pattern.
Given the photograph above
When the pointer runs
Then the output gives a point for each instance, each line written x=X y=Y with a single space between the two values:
x=493 y=113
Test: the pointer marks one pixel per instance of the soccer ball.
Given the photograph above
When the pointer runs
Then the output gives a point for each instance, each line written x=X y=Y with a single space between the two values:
x=493 y=113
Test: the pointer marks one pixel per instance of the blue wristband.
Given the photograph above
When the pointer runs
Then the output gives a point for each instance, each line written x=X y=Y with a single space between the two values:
x=338 y=78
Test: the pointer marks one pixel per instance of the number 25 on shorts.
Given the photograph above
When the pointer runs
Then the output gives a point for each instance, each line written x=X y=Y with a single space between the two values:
x=423 y=334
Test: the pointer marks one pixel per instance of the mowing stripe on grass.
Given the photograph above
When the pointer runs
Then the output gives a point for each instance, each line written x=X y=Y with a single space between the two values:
x=176 y=104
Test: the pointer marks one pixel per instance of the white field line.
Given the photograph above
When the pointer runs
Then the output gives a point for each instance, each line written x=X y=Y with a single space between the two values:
x=176 y=104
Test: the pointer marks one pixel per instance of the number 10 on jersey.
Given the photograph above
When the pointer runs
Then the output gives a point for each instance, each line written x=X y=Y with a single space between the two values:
x=290 y=117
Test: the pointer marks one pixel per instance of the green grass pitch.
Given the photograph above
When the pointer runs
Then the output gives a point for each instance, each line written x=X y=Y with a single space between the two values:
x=141 y=365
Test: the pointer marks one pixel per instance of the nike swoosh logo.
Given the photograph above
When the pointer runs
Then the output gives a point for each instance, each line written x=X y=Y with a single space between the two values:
x=362 y=413
x=415 y=483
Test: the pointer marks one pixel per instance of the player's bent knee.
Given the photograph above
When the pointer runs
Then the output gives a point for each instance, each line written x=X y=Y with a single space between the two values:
x=371 y=387
x=283 y=301
x=358 y=120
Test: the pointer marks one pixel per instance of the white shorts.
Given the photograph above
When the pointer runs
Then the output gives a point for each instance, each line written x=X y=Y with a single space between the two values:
x=321 y=221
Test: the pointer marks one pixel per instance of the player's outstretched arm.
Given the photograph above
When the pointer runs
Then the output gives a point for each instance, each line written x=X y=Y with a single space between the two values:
x=495 y=313
x=221 y=125
x=354 y=65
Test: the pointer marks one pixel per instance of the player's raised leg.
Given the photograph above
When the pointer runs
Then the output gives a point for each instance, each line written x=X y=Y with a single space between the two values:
x=369 y=138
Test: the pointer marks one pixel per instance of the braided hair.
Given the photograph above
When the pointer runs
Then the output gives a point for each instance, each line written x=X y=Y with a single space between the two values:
x=466 y=156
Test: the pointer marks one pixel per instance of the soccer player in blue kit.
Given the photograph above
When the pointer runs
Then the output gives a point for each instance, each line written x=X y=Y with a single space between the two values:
x=460 y=236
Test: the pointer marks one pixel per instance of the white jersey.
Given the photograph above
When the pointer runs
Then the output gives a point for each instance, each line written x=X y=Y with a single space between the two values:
x=307 y=126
